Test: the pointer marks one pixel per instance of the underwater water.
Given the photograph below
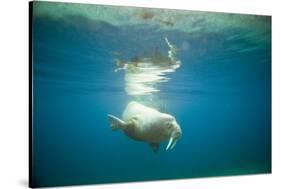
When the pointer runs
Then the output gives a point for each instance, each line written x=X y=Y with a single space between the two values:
x=220 y=94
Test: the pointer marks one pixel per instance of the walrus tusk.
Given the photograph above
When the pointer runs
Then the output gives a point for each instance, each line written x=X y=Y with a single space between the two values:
x=174 y=144
x=170 y=143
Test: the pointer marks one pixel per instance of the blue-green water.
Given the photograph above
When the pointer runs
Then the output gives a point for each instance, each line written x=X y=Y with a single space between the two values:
x=220 y=96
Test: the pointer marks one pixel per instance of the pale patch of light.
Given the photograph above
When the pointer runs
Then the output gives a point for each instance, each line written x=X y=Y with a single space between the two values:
x=143 y=80
x=143 y=76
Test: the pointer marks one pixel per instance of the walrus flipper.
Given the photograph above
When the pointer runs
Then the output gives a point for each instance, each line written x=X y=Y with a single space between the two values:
x=154 y=146
x=115 y=122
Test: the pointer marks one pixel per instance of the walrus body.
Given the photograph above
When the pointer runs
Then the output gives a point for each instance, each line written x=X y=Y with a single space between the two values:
x=146 y=124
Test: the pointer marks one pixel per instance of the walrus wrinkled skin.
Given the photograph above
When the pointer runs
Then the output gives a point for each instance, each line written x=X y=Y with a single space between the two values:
x=146 y=124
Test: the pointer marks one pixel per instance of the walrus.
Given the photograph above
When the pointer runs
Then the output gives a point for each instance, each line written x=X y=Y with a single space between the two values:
x=146 y=124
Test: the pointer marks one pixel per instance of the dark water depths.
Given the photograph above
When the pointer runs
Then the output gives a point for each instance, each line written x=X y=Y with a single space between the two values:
x=220 y=96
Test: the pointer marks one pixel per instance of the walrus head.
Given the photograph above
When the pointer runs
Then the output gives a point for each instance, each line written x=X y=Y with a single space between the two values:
x=174 y=131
